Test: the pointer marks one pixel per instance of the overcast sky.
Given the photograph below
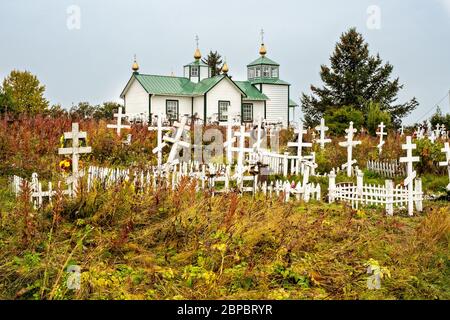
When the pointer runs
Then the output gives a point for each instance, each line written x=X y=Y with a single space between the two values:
x=92 y=63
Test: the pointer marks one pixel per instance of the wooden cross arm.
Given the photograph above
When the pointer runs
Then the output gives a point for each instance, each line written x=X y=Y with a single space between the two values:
x=407 y=159
x=74 y=150
x=158 y=149
x=80 y=135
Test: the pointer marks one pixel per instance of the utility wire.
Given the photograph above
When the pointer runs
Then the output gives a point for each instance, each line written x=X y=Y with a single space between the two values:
x=434 y=107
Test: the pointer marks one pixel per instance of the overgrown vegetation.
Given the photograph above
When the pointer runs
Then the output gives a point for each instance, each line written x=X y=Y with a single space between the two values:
x=178 y=244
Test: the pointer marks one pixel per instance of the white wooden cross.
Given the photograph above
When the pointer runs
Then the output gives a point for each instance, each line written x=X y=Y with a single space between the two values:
x=119 y=126
x=349 y=144
x=229 y=143
x=437 y=131
x=257 y=145
x=446 y=150
x=159 y=138
x=300 y=144
x=75 y=135
x=176 y=140
x=241 y=149
x=381 y=133
x=411 y=173
x=322 y=129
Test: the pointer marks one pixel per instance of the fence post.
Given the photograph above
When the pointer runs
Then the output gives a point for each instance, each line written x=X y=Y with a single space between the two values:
x=418 y=194
x=285 y=164
x=389 y=197
x=331 y=186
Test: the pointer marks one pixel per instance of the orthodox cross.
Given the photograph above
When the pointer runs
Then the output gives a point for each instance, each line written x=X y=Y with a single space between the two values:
x=411 y=173
x=300 y=144
x=176 y=140
x=241 y=149
x=119 y=126
x=350 y=144
x=159 y=138
x=381 y=133
x=262 y=35
x=230 y=142
x=75 y=135
x=322 y=129
x=196 y=40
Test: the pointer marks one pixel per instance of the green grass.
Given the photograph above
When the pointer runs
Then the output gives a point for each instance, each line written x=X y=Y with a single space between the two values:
x=173 y=245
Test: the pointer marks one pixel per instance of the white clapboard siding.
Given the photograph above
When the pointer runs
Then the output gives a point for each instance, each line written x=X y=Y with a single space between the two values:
x=277 y=105
x=136 y=98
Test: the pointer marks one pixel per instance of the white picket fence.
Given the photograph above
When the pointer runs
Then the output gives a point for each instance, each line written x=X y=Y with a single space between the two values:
x=391 y=169
x=284 y=164
x=37 y=194
x=367 y=194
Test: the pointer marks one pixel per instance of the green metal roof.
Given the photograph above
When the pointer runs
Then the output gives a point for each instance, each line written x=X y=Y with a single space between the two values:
x=250 y=91
x=165 y=84
x=178 y=86
x=268 y=81
x=206 y=84
x=292 y=103
x=263 y=60
x=197 y=63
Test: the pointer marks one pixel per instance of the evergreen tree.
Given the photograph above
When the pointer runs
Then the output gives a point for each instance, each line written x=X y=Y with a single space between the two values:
x=24 y=92
x=214 y=61
x=354 y=79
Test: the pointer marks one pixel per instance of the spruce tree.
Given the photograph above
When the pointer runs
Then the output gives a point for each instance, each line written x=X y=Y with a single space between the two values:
x=214 y=61
x=355 y=78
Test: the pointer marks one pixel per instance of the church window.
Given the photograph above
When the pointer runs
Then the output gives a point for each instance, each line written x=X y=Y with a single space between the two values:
x=274 y=72
x=172 y=109
x=194 y=71
x=266 y=73
x=223 y=110
x=258 y=72
x=251 y=73
x=247 y=112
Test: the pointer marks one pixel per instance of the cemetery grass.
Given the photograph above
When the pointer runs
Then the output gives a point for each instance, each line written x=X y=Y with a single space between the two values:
x=182 y=245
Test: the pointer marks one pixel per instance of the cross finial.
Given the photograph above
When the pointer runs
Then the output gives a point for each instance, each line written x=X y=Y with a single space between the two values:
x=262 y=36
x=135 y=57
x=196 y=40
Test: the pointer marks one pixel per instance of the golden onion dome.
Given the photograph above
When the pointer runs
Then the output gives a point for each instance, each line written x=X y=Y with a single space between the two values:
x=225 y=68
x=197 y=54
x=135 y=66
x=262 y=50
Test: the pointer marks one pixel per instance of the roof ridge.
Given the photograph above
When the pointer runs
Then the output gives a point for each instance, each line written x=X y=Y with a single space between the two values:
x=157 y=75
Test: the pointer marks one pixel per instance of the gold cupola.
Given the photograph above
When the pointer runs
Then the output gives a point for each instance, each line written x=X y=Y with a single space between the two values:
x=262 y=50
x=225 y=68
x=197 y=54
x=135 y=66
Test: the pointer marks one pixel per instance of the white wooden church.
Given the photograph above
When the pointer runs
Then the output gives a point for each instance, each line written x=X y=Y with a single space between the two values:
x=215 y=99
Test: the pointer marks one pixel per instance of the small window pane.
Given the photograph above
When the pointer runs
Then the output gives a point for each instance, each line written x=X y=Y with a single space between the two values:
x=223 y=110
x=266 y=72
x=274 y=72
x=251 y=73
x=247 y=112
x=172 y=110
x=194 y=71
x=258 y=72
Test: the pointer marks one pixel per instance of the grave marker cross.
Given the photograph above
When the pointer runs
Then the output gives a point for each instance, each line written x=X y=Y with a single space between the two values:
x=322 y=128
x=159 y=138
x=411 y=174
x=119 y=126
x=230 y=142
x=350 y=144
x=381 y=133
x=176 y=140
x=241 y=149
x=75 y=151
